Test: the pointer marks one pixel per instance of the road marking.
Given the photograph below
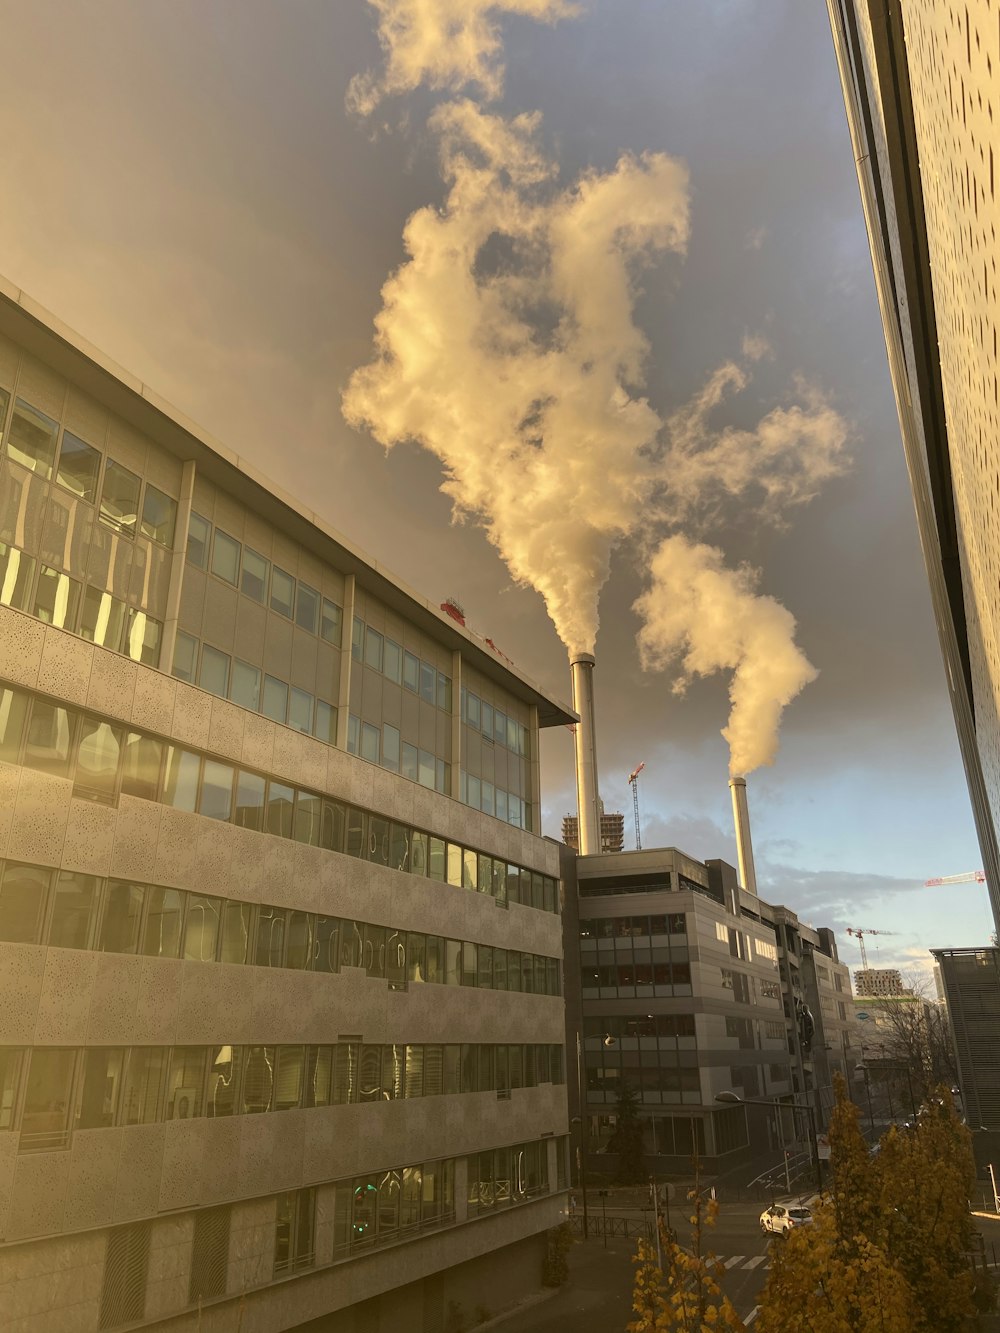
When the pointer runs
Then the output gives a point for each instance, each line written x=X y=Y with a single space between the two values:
x=757 y=1259
x=734 y=1259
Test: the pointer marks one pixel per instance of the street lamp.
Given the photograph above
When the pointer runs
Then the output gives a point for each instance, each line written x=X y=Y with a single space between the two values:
x=733 y=1098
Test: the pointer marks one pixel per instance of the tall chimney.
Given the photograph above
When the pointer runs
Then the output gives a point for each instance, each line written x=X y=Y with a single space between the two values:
x=744 y=847
x=587 y=799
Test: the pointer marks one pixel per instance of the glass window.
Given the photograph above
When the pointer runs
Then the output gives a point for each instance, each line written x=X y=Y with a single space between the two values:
x=258 y=1080
x=499 y=969
x=98 y=751
x=49 y=741
x=300 y=711
x=357 y=639
x=245 y=689
x=161 y=935
x=454 y=865
x=185 y=656
x=472 y=713
x=399 y=847
x=122 y=912
x=326 y=946
x=395 y=959
x=325 y=728
x=141 y=770
x=425 y=772
x=79 y=464
x=501 y=804
x=453 y=962
x=333 y=831
x=47 y=1098
x=370 y=742
x=74 y=906
x=484 y=975
x=411 y=672
x=280 y=800
x=331 y=622
x=23 y=890
x=318 y=1075
x=102 y=1076
x=214 y=675
x=144 y=1073
x=282 y=592
x=486 y=798
x=299 y=935
x=16 y=571
x=201 y=928
x=57 y=598
x=418 y=853
x=410 y=765
x=226 y=553
x=470 y=953
x=288 y=1077
x=378 y=839
x=307 y=608
x=308 y=818
x=428 y=682
x=13 y=707
x=434 y=961
x=444 y=691
x=275 y=699
x=102 y=619
x=295 y=1218
x=345 y=1072
x=470 y=869
x=499 y=727
x=487 y=720
x=250 y=800
x=373 y=648
x=185 y=1082
x=180 y=783
x=392 y=661
x=436 y=863
x=120 y=498
x=513 y=969
x=225 y=1065
x=356 y=843
x=235 y=932
x=31 y=440
x=143 y=638
x=199 y=532
x=159 y=516
x=253 y=581
x=390 y=747
x=414 y=1083
x=270 y=944
x=442 y=776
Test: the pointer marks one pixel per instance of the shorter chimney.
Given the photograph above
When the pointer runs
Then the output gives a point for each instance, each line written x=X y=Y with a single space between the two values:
x=744 y=847
x=587 y=798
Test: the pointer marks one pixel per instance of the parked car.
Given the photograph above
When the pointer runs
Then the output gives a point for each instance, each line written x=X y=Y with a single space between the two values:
x=780 y=1218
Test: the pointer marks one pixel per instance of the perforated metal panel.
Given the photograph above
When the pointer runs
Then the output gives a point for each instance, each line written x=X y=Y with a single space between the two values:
x=210 y=1253
x=123 y=1295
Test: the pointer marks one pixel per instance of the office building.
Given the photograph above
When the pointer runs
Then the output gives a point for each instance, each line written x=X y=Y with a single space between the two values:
x=689 y=986
x=281 y=1025
x=972 y=988
x=920 y=85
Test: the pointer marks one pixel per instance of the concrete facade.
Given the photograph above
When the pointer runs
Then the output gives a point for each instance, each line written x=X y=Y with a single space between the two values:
x=689 y=986
x=281 y=1015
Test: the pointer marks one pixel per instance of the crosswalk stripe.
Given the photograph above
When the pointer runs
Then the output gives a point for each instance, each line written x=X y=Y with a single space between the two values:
x=757 y=1259
x=734 y=1259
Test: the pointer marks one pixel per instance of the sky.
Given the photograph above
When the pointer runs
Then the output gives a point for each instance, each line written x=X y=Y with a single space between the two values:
x=375 y=276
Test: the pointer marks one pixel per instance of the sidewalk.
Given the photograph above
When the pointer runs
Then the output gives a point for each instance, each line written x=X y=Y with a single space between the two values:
x=597 y=1298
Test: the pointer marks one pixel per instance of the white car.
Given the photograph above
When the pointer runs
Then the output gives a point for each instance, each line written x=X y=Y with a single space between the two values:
x=780 y=1218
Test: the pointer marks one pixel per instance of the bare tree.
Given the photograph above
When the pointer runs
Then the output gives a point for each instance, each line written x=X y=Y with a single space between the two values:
x=909 y=1047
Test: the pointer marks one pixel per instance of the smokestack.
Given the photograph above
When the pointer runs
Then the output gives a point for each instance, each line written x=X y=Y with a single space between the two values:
x=744 y=847
x=587 y=799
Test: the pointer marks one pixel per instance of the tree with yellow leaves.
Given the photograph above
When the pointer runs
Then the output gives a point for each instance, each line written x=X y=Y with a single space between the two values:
x=684 y=1295
x=884 y=1253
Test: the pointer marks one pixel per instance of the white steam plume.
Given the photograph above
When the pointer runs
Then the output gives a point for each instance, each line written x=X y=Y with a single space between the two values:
x=506 y=346
x=447 y=44
x=711 y=619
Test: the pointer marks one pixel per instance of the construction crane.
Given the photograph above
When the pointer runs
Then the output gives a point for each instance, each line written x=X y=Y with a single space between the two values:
x=859 y=935
x=969 y=877
x=633 y=782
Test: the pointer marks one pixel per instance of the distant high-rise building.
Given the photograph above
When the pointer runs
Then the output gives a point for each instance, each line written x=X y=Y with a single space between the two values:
x=878 y=981
x=612 y=831
x=920 y=86
x=972 y=988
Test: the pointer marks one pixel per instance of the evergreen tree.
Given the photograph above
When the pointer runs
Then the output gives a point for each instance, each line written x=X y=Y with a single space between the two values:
x=627 y=1139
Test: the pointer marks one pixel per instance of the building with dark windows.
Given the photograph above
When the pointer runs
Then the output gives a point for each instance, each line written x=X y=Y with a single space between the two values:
x=612 y=831
x=920 y=86
x=971 y=979
x=689 y=986
x=281 y=1032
